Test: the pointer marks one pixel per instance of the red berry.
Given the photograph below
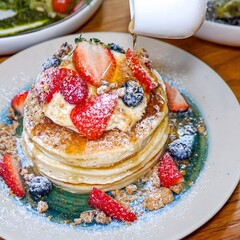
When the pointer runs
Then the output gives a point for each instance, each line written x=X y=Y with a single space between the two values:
x=74 y=89
x=9 y=171
x=94 y=62
x=168 y=173
x=91 y=117
x=110 y=206
x=62 y=6
x=18 y=102
x=49 y=81
x=176 y=102
x=141 y=71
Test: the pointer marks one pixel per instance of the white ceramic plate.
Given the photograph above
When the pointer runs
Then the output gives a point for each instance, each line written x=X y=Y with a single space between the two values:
x=219 y=33
x=12 y=44
x=215 y=184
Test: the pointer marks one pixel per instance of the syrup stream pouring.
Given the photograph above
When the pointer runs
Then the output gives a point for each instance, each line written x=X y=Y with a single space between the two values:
x=174 y=19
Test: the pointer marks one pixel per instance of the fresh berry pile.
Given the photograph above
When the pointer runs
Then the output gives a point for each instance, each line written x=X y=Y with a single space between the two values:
x=94 y=64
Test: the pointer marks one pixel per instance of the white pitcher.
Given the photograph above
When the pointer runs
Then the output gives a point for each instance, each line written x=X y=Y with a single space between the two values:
x=167 y=18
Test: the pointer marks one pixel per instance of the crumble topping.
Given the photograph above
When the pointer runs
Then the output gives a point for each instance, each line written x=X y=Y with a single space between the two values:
x=92 y=215
x=159 y=198
x=8 y=142
x=64 y=50
x=102 y=218
x=131 y=189
x=177 y=188
x=42 y=207
x=87 y=216
x=33 y=110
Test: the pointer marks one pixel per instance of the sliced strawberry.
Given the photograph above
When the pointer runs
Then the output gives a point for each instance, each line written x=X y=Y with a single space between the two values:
x=110 y=206
x=91 y=117
x=141 y=71
x=9 y=171
x=74 y=89
x=94 y=62
x=168 y=173
x=176 y=102
x=49 y=81
x=18 y=102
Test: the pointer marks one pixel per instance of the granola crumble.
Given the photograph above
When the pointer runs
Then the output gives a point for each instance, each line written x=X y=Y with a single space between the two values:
x=87 y=216
x=42 y=207
x=177 y=188
x=131 y=189
x=8 y=141
x=90 y=216
x=102 y=218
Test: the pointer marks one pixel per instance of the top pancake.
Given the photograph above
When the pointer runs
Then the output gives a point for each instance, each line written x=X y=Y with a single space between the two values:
x=113 y=146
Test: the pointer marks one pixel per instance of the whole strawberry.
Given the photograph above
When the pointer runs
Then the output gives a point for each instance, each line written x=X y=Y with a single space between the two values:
x=110 y=206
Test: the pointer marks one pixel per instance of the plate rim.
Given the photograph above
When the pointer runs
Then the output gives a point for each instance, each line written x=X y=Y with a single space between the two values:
x=211 y=31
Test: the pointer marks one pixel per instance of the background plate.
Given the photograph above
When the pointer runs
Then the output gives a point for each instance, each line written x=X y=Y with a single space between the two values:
x=219 y=33
x=213 y=187
x=12 y=44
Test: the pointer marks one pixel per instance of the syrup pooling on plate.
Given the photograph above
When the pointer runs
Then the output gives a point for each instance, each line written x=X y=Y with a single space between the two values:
x=144 y=192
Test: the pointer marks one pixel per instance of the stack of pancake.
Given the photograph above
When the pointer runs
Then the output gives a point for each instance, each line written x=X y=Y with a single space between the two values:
x=115 y=160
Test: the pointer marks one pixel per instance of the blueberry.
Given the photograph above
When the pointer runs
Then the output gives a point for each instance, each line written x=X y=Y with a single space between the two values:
x=134 y=93
x=180 y=149
x=51 y=62
x=39 y=187
x=116 y=48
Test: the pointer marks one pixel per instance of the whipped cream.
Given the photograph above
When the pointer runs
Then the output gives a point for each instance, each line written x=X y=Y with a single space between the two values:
x=123 y=117
x=58 y=110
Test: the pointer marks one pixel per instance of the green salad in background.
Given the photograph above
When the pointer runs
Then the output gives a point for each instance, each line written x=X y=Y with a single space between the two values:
x=224 y=11
x=25 y=15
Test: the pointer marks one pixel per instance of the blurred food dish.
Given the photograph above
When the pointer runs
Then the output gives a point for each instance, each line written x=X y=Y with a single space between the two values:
x=222 y=24
x=27 y=22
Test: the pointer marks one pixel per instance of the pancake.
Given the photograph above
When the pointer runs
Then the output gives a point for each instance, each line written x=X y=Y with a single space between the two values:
x=114 y=160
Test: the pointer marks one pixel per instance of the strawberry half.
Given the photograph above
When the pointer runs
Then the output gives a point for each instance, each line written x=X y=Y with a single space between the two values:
x=168 y=173
x=110 y=206
x=141 y=71
x=18 y=102
x=74 y=89
x=94 y=62
x=176 y=102
x=91 y=117
x=9 y=171
x=49 y=81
